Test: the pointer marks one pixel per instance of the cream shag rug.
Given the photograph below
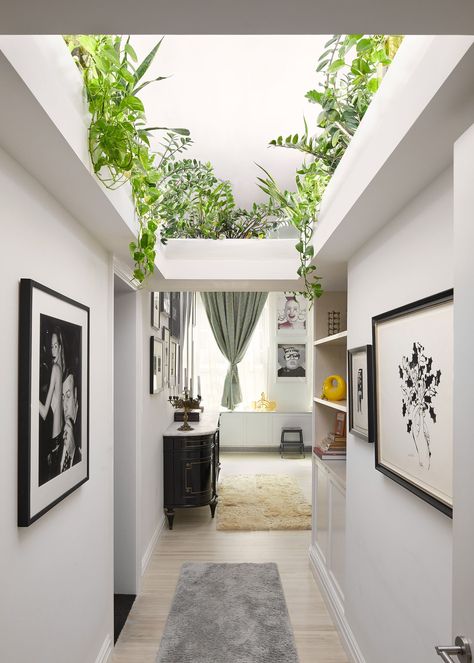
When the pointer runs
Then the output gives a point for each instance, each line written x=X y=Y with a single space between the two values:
x=262 y=502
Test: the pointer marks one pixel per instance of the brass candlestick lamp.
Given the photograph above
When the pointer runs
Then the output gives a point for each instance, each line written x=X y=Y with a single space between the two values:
x=185 y=402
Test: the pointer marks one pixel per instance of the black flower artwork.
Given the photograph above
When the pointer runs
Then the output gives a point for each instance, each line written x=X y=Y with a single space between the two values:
x=419 y=388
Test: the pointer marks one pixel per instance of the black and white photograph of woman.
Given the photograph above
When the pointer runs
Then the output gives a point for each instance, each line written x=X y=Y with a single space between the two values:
x=60 y=347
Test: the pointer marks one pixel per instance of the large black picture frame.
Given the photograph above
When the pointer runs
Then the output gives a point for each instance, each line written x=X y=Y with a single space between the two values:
x=360 y=390
x=53 y=399
x=413 y=405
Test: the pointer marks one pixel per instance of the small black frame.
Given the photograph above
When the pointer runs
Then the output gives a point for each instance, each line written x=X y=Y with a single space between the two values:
x=367 y=350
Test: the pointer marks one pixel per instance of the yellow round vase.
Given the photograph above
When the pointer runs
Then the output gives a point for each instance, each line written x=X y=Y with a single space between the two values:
x=334 y=388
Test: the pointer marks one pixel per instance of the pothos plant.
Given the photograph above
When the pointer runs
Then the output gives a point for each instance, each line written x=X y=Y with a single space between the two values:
x=119 y=138
x=352 y=68
x=182 y=196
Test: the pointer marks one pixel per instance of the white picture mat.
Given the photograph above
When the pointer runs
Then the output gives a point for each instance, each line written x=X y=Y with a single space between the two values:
x=360 y=420
x=433 y=328
x=44 y=495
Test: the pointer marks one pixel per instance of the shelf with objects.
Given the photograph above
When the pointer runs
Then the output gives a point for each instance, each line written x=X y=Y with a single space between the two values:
x=329 y=434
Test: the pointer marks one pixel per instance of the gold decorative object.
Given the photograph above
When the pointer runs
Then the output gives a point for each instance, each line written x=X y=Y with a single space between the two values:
x=263 y=404
x=185 y=402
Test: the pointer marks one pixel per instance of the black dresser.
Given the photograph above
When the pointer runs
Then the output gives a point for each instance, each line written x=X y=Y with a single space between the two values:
x=191 y=467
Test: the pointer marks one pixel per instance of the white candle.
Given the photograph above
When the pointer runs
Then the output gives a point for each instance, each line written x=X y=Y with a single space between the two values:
x=199 y=385
x=185 y=378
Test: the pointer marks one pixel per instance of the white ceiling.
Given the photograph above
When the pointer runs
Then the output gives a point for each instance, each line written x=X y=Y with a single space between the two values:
x=235 y=93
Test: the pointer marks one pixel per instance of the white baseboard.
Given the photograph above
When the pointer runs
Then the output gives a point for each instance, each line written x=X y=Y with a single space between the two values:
x=149 y=550
x=335 y=607
x=105 y=651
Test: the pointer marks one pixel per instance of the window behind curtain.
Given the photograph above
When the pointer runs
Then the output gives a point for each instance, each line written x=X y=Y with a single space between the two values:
x=212 y=366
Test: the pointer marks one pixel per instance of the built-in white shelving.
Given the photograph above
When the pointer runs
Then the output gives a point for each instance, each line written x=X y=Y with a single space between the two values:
x=334 y=339
x=335 y=405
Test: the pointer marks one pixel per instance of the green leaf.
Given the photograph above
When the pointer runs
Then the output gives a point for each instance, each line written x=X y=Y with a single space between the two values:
x=131 y=52
x=364 y=45
x=321 y=65
x=299 y=247
x=373 y=85
x=336 y=65
x=134 y=103
x=88 y=43
x=144 y=66
x=154 y=80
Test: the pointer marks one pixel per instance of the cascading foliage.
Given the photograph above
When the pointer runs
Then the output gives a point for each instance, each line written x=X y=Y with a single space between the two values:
x=184 y=197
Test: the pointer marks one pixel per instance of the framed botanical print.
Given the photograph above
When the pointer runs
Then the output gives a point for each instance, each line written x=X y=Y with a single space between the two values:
x=53 y=406
x=156 y=365
x=361 y=412
x=413 y=375
x=166 y=357
x=155 y=309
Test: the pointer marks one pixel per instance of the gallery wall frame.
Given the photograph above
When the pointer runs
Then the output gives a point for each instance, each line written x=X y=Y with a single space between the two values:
x=156 y=365
x=166 y=356
x=413 y=404
x=291 y=314
x=165 y=309
x=175 y=320
x=291 y=365
x=53 y=399
x=361 y=395
x=155 y=309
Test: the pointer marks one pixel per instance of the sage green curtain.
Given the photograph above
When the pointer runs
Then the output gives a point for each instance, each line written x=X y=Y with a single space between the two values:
x=233 y=317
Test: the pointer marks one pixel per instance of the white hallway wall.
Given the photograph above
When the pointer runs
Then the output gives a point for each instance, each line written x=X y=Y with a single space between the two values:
x=398 y=548
x=57 y=575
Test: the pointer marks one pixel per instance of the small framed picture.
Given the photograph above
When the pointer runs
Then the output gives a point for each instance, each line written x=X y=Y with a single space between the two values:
x=291 y=362
x=165 y=303
x=291 y=314
x=53 y=430
x=175 y=327
x=361 y=407
x=166 y=357
x=413 y=376
x=173 y=363
x=156 y=365
x=155 y=309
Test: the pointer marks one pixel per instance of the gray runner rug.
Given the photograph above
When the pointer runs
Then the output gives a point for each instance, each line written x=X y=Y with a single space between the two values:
x=228 y=613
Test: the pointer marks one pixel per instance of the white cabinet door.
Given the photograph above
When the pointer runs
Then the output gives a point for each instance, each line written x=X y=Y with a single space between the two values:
x=257 y=429
x=231 y=429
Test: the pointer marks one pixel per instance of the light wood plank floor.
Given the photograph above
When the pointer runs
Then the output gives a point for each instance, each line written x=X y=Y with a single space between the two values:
x=195 y=538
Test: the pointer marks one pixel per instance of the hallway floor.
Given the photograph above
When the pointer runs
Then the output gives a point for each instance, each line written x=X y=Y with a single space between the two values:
x=195 y=538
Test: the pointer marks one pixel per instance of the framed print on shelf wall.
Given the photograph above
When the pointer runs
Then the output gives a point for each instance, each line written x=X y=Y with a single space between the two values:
x=413 y=376
x=361 y=410
x=291 y=362
x=53 y=405
x=291 y=314
x=166 y=357
x=156 y=365
x=155 y=309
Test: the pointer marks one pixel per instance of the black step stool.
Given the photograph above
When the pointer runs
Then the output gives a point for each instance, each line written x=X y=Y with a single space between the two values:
x=292 y=445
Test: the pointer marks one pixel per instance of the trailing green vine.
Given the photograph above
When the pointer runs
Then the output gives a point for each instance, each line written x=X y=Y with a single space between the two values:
x=353 y=67
x=119 y=138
